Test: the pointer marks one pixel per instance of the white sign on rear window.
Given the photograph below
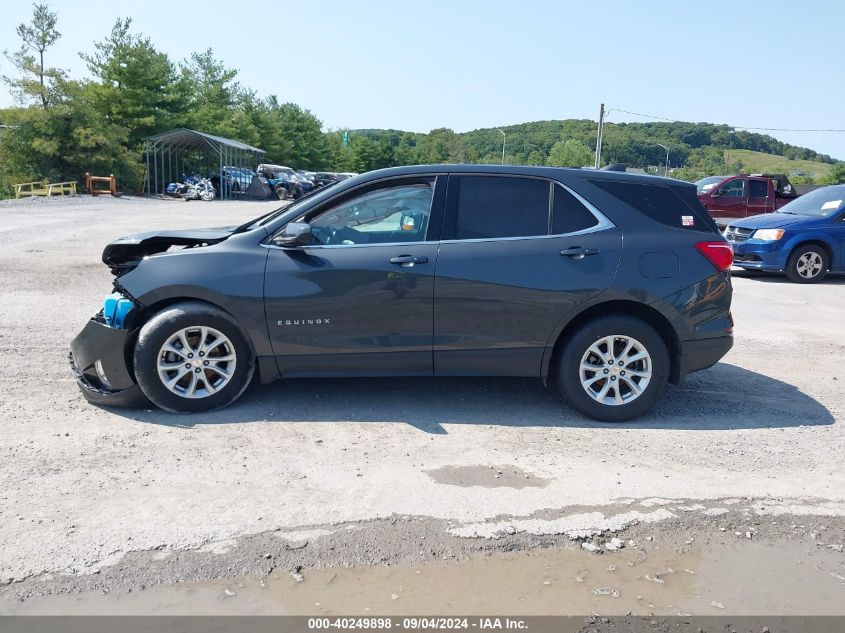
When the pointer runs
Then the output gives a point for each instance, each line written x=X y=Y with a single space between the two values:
x=832 y=204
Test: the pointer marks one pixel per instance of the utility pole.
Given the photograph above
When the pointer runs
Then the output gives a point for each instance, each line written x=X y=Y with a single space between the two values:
x=666 y=170
x=503 y=145
x=599 y=135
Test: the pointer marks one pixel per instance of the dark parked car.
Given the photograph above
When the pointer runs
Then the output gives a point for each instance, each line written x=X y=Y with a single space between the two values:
x=286 y=182
x=323 y=178
x=443 y=270
x=238 y=179
x=805 y=239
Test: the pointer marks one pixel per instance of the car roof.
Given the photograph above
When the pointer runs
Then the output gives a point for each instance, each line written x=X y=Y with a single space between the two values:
x=521 y=170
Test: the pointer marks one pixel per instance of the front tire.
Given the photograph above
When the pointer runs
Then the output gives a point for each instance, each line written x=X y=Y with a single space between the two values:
x=613 y=369
x=807 y=264
x=192 y=357
x=282 y=193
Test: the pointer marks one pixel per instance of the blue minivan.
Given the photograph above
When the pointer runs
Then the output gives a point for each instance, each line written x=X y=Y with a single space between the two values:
x=805 y=238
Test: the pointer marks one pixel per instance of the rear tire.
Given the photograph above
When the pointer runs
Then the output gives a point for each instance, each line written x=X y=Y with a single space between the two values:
x=613 y=368
x=807 y=264
x=192 y=357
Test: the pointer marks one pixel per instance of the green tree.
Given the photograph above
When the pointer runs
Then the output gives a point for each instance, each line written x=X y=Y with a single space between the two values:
x=440 y=146
x=65 y=141
x=569 y=153
x=137 y=86
x=213 y=94
x=366 y=154
x=35 y=81
x=294 y=136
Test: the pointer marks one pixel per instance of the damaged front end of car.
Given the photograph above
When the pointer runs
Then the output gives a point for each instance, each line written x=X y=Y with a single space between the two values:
x=101 y=354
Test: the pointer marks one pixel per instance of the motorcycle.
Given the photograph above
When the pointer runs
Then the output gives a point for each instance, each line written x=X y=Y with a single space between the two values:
x=194 y=188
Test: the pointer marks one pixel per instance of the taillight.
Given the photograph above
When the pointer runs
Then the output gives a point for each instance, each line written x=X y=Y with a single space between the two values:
x=720 y=254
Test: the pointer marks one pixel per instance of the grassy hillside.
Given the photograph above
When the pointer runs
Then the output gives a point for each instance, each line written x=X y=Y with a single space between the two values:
x=759 y=162
x=695 y=149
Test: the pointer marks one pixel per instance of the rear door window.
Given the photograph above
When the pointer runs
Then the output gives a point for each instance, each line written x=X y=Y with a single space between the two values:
x=488 y=207
x=758 y=188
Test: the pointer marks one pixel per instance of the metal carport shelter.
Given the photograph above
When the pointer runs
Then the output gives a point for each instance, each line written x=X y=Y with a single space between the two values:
x=172 y=155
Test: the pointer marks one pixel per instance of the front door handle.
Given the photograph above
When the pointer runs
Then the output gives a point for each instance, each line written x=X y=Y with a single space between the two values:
x=408 y=261
x=577 y=252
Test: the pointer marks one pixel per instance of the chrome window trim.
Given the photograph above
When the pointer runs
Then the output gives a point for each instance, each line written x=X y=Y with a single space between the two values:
x=592 y=229
x=321 y=246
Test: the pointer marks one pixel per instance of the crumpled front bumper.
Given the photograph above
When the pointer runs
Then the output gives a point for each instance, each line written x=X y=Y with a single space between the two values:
x=98 y=360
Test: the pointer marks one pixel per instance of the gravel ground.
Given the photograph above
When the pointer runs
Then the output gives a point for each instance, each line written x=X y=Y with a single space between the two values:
x=85 y=490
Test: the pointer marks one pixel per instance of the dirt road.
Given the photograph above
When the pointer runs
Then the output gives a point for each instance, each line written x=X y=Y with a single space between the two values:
x=92 y=498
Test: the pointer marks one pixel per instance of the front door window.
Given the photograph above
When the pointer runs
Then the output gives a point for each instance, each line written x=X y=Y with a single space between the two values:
x=383 y=216
x=733 y=189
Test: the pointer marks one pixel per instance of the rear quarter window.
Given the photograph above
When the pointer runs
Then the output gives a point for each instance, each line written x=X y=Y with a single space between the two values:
x=675 y=206
x=568 y=214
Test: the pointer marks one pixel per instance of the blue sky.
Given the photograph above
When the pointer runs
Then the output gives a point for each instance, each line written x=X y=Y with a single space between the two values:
x=466 y=64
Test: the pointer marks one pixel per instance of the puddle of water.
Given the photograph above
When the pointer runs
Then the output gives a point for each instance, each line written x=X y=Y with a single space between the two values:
x=486 y=477
x=732 y=579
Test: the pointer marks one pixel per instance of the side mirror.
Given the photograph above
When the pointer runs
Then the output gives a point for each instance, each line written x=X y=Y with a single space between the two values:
x=294 y=234
x=715 y=194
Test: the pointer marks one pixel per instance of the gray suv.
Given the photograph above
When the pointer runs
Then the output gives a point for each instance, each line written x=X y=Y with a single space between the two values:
x=606 y=285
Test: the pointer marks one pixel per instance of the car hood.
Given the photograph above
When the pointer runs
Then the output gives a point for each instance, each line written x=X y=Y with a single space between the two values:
x=124 y=254
x=771 y=221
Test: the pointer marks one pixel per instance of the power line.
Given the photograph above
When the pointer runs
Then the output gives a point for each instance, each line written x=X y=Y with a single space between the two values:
x=738 y=127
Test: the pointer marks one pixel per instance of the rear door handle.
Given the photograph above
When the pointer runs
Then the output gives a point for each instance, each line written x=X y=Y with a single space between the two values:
x=577 y=252
x=408 y=261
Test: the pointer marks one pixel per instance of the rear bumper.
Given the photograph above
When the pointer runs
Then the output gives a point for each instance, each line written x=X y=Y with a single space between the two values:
x=702 y=353
x=98 y=361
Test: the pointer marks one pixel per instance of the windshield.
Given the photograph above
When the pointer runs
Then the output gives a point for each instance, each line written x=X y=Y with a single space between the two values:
x=819 y=203
x=261 y=220
x=706 y=184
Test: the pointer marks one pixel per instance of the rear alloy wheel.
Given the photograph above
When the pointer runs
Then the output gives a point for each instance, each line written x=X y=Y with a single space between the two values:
x=282 y=193
x=807 y=264
x=614 y=368
x=192 y=357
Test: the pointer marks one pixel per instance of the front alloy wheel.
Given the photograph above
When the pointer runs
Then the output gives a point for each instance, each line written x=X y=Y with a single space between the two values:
x=196 y=362
x=192 y=356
